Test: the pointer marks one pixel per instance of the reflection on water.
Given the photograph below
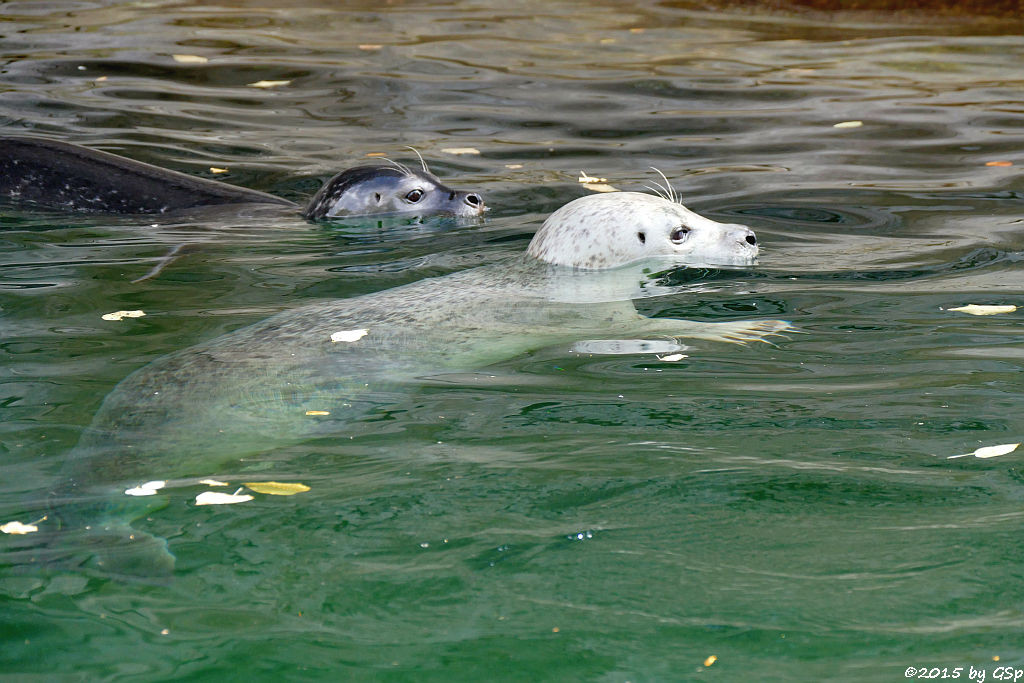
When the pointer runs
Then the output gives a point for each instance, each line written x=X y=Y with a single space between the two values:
x=786 y=507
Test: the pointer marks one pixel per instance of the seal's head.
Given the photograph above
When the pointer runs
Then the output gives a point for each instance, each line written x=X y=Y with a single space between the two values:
x=609 y=230
x=371 y=190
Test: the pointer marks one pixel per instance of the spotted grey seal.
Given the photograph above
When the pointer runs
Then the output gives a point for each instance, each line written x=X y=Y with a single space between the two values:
x=313 y=370
x=66 y=177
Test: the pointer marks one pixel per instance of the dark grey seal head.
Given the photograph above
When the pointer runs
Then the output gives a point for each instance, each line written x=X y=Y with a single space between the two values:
x=50 y=174
x=371 y=190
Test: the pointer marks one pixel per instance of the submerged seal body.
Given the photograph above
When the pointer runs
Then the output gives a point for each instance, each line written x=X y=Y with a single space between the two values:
x=256 y=388
x=62 y=176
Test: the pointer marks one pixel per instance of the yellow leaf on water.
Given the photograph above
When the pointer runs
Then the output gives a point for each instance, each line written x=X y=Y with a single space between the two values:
x=999 y=163
x=213 y=482
x=988 y=451
x=268 y=84
x=672 y=357
x=318 y=413
x=121 y=315
x=710 y=660
x=977 y=309
x=370 y=46
x=190 y=59
x=587 y=178
x=376 y=154
x=277 y=488
x=18 y=528
x=460 y=150
x=848 y=124
x=214 y=169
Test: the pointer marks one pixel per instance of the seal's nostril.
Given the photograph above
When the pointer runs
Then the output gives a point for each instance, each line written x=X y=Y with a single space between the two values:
x=751 y=240
x=474 y=200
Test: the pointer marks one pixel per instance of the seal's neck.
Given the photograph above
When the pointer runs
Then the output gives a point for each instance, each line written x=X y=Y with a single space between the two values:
x=635 y=280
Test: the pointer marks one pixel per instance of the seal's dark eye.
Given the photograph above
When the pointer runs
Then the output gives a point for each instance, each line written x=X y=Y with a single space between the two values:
x=414 y=196
x=679 y=234
x=642 y=237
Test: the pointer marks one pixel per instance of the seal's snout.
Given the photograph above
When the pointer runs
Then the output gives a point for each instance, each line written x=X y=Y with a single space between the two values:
x=474 y=203
x=746 y=236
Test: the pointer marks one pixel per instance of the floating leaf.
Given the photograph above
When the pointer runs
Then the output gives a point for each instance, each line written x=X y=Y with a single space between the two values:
x=989 y=451
x=190 y=59
x=848 y=124
x=18 y=528
x=710 y=660
x=120 y=315
x=376 y=154
x=585 y=178
x=148 y=489
x=673 y=357
x=278 y=488
x=217 y=498
x=213 y=482
x=513 y=166
x=318 y=413
x=999 y=163
x=600 y=187
x=268 y=84
x=349 y=335
x=976 y=309
x=460 y=150
x=215 y=170
x=370 y=46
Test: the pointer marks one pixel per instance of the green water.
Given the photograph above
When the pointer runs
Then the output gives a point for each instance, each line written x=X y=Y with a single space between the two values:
x=788 y=509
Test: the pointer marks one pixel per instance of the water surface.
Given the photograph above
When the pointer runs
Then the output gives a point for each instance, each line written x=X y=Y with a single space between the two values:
x=787 y=508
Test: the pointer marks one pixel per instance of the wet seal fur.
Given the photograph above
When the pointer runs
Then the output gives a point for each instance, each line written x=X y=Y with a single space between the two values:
x=66 y=177
x=371 y=190
x=605 y=230
x=318 y=368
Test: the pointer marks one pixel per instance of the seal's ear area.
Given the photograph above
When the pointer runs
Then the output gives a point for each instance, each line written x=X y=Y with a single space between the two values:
x=322 y=203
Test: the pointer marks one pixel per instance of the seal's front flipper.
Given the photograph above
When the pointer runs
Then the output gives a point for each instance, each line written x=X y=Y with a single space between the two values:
x=119 y=551
x=112 y=552
x=734 y=332
x=91 y=531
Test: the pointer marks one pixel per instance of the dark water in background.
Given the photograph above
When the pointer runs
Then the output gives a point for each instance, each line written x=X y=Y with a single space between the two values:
x=582 y=518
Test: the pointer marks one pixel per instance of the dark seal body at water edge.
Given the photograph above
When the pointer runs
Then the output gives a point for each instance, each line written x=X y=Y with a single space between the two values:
x=49 y=174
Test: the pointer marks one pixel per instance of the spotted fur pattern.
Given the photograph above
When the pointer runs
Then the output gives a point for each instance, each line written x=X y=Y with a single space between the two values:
x=608 y=230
